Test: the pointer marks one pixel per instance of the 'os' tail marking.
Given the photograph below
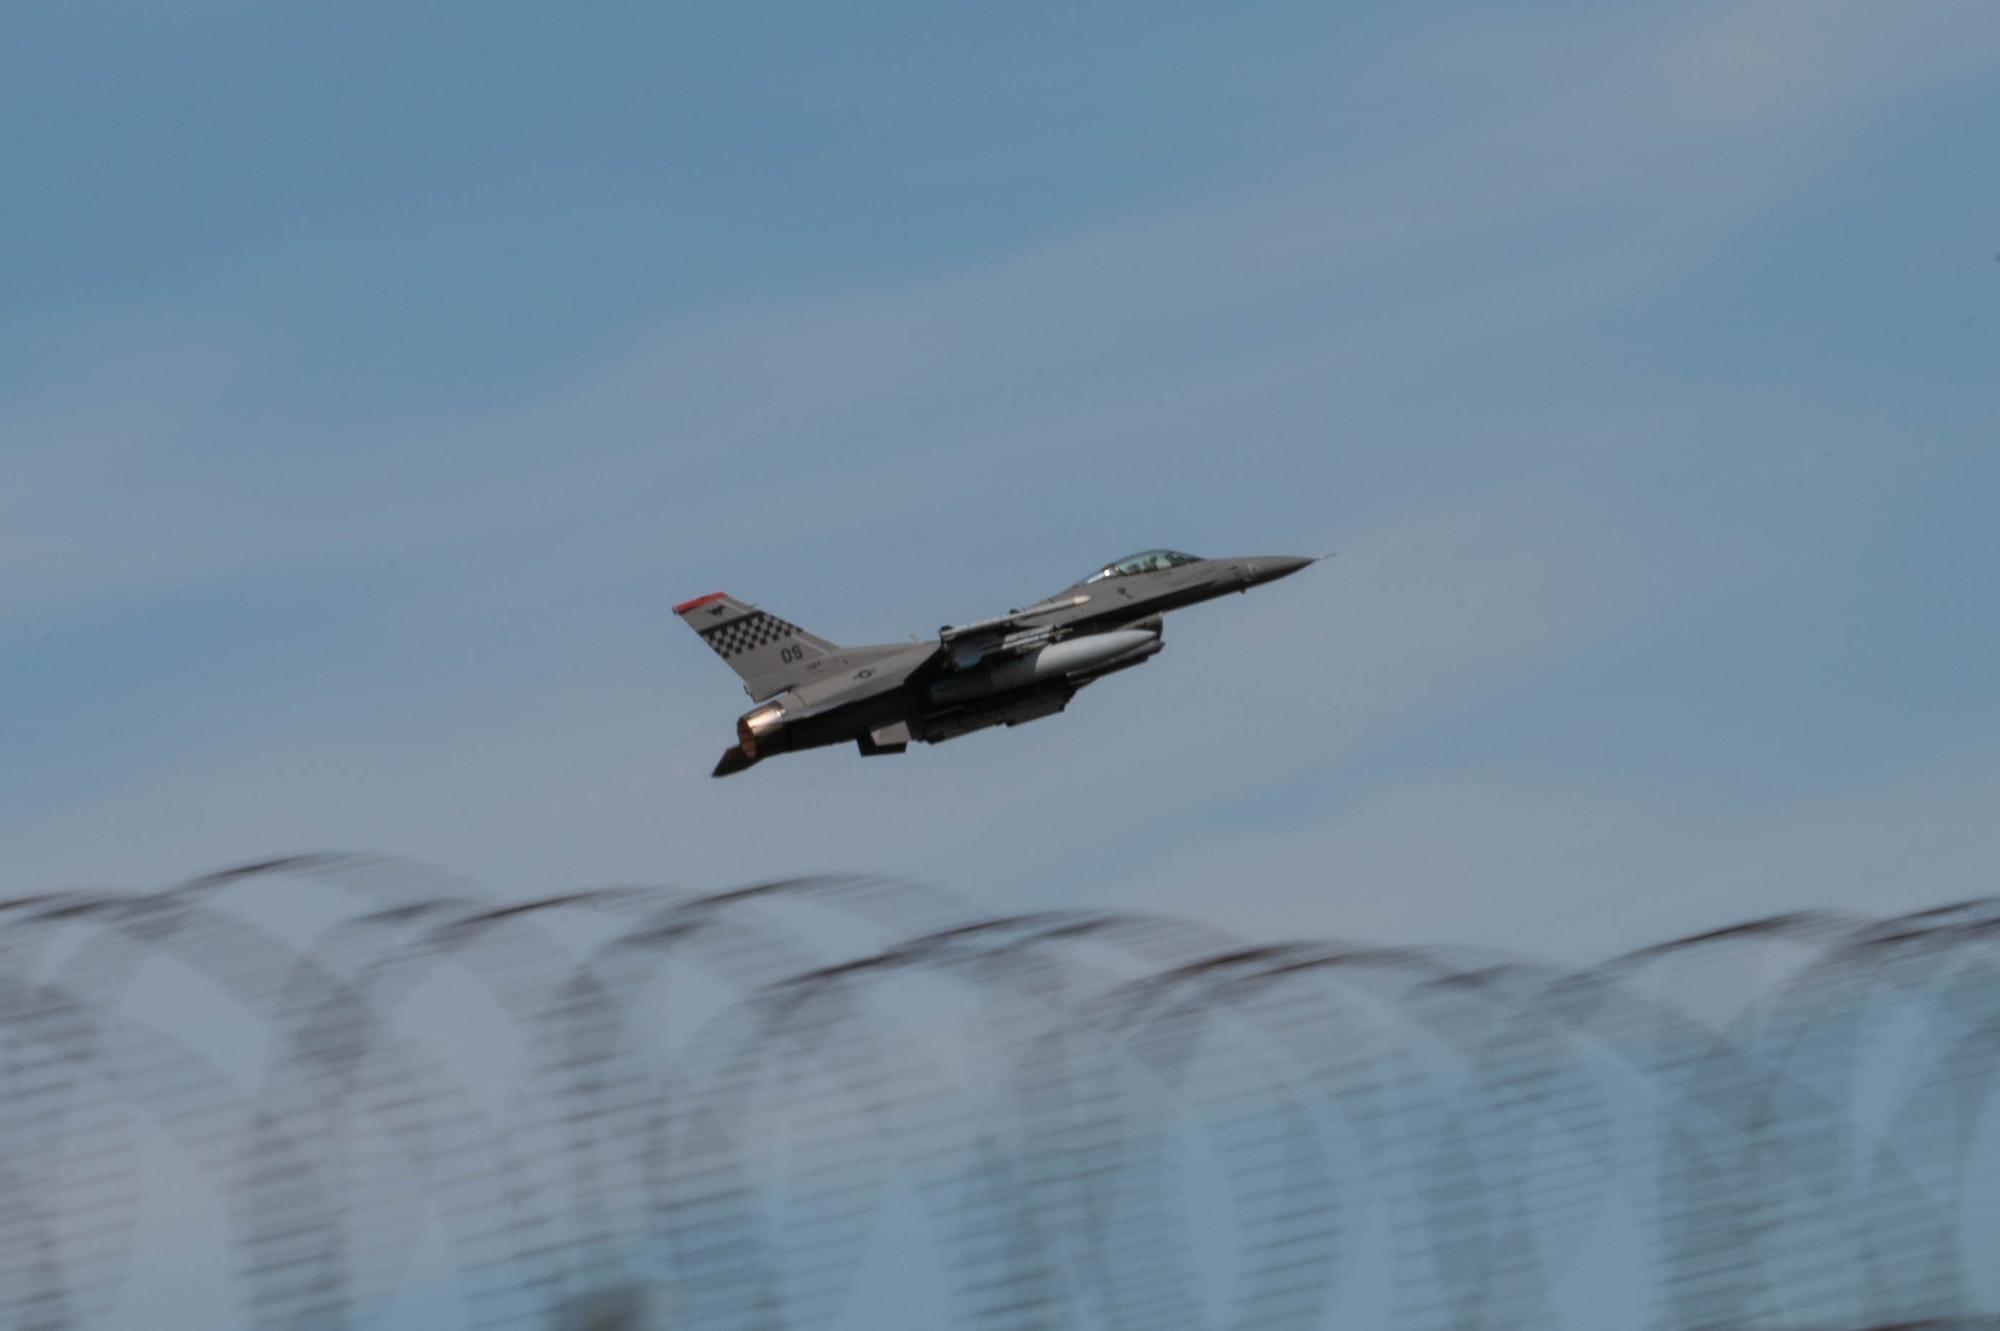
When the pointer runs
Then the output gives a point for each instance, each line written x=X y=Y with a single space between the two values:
x=767 y=652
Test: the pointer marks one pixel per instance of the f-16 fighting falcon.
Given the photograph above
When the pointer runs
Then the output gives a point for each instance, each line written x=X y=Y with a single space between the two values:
x=1020 y=666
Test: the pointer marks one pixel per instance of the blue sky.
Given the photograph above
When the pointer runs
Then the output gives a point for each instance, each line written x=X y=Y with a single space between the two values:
x=376 y=376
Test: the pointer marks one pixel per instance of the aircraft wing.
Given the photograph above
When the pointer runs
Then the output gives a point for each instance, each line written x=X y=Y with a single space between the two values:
x=1013 y=619
x=1011 y=634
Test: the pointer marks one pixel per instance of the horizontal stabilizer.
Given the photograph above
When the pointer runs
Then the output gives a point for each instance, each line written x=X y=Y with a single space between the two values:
x=733 y=761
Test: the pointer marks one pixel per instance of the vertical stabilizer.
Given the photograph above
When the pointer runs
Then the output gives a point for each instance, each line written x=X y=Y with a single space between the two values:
x=767 y=652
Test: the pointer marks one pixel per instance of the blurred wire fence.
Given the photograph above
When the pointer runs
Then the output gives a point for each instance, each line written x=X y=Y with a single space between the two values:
x=769 y=1108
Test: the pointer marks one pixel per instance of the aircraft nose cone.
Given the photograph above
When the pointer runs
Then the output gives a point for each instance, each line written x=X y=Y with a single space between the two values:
x=1269 y=568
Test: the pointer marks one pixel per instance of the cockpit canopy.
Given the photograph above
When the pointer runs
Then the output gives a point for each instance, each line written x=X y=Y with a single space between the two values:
x=1146 y=561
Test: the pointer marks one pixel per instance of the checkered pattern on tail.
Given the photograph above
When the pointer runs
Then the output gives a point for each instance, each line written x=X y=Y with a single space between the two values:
x=747 y=634
x=769 y=653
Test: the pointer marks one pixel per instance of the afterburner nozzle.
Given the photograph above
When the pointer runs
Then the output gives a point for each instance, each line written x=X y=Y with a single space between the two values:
x=758 y=729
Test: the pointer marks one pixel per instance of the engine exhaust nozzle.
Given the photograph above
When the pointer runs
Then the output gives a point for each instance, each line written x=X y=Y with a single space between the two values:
x=759 y=730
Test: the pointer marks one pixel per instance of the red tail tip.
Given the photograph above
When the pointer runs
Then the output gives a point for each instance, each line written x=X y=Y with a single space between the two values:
x=698 y=601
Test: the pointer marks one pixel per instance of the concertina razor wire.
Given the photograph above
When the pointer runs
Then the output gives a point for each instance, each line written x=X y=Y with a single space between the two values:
x=643 y=1107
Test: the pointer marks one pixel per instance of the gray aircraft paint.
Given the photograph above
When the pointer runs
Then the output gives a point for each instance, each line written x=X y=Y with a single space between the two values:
x=1007 y=670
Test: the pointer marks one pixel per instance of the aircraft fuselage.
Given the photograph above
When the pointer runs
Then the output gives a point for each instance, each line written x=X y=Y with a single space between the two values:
x=1013 y=668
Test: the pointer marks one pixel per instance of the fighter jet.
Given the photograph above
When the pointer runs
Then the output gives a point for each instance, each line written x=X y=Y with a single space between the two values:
x=1016 y=667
